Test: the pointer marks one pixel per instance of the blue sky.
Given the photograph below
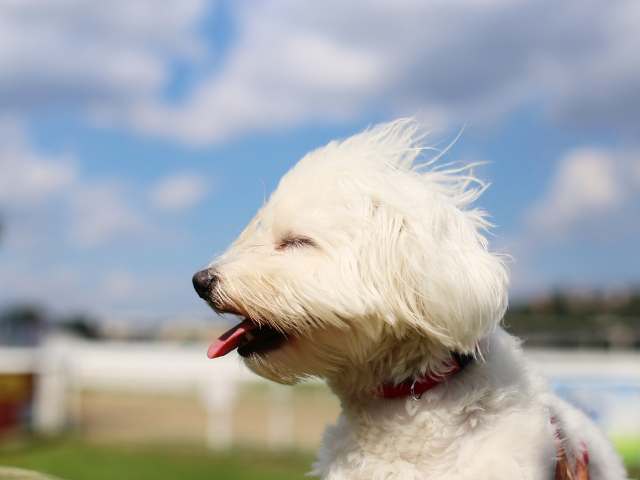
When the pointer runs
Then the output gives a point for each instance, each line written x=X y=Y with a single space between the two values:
x=137 y=139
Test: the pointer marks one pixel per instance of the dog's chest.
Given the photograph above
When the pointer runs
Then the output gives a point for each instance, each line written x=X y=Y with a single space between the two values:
x=398 y=444
x=437 y=445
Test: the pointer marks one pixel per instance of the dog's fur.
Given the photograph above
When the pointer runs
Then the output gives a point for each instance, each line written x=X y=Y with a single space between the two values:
x=377 y=268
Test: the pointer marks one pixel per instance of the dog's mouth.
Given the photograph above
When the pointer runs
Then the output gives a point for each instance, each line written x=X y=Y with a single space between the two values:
x=248 y=338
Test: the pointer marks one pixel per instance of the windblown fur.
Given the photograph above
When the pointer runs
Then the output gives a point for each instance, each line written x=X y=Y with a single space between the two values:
x=375 y=264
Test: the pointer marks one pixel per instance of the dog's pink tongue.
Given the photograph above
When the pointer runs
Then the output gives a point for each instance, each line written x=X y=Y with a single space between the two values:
x=230 y=339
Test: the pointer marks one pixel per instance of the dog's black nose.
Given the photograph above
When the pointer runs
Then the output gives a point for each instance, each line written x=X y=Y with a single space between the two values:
x=203 y=281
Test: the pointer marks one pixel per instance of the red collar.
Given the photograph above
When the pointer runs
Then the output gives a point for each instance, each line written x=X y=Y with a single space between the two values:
x=416 y=387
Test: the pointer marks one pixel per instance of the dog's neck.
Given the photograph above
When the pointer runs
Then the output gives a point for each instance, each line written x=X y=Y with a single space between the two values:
x=393 y=371
x=414 y=387
x=359 y=397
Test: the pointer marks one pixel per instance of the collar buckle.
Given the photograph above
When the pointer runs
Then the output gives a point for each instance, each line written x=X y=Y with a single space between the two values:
x=412 y=391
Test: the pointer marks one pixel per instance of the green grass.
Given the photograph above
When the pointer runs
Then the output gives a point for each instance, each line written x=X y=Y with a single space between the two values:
x=73 y=460
x=629 y=448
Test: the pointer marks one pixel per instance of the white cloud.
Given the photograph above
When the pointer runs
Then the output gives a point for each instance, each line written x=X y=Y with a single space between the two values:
x=582 y=229
x=310 y=77
x=27 y=176
x=447 y=61
x=73 y=286
x=290 y=63
x=100 y=214
x=587 y=183
x=636 y=172
x=585 y=222
x=120 y=285
x=43 y=196
x=178 y=192
x=73 y=53
x=77 y=55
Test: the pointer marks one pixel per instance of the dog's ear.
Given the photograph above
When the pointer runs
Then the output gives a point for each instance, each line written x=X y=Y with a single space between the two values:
x=437 y=276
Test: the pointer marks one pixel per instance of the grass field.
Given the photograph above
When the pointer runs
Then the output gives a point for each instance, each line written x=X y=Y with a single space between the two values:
x=629 y=448
x=73 y=460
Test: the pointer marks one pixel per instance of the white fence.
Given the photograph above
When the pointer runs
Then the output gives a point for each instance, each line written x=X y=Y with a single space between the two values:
x=606 y=384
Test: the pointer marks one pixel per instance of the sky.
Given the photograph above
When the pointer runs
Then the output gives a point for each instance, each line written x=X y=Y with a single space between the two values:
x=138 y=138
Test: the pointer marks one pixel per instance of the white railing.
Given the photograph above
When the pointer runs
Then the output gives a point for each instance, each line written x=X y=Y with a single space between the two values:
x=607 y=384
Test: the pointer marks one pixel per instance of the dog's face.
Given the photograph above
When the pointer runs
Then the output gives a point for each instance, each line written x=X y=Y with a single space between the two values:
x=358 y=257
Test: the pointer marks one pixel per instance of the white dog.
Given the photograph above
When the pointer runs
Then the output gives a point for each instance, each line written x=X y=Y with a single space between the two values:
x=371 y=271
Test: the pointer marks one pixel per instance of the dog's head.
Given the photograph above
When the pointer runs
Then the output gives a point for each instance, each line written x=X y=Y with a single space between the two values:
x=362 y=261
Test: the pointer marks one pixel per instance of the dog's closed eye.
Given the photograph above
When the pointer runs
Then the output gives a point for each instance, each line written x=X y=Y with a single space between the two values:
x=293 y=241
